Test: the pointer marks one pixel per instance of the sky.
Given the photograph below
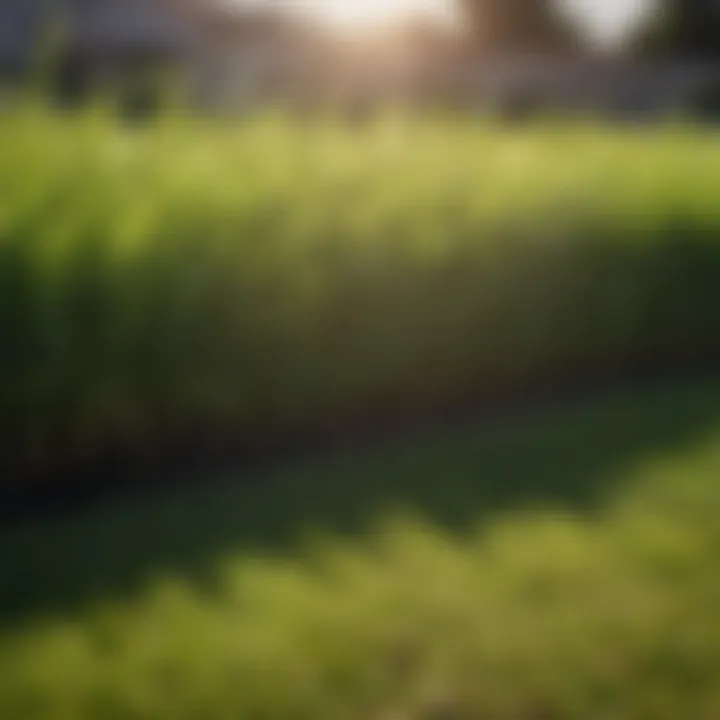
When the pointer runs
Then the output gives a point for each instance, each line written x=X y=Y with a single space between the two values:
x=610 y=20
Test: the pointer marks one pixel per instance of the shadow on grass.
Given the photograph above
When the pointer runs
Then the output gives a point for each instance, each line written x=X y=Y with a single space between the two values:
x=570 y=455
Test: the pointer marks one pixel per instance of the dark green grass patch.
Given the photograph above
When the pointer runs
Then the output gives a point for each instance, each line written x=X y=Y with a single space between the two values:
x=557 y=565
x=244 y=283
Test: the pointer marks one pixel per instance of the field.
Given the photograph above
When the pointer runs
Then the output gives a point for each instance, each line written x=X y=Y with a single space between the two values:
x=559 y=564
x=189 y=283
x=234 y=288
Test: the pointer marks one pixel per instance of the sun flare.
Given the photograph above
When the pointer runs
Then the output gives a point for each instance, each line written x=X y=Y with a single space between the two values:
x=356 y=14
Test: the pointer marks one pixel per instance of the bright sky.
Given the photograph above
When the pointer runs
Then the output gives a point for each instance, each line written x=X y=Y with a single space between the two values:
x=352 y=13
x=609 y=20
x=605 y=19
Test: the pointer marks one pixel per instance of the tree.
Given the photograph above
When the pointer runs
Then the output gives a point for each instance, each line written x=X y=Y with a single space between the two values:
x=682 y=28
x=517 y=26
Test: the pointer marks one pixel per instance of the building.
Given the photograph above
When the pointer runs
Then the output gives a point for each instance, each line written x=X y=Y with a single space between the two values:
x=223 y=56
x=611 y=87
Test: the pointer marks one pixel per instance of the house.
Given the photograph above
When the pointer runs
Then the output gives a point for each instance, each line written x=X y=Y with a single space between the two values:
x=18 y=29
x=230 y=59
x=88 y=43
x=223 y=54
x=613 y=87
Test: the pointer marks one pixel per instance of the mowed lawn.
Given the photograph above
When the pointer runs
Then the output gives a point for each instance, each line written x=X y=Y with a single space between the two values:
x=560 y=562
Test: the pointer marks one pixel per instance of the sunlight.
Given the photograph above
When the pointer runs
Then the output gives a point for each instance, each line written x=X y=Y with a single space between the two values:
x=354 y=15
x=610 y=21
x=357 y=14
x=606 y=20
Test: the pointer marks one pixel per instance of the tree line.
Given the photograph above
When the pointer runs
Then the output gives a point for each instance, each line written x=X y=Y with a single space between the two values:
x=687 y=29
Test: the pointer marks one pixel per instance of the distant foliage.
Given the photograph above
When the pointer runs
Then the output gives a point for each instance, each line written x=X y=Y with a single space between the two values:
x=682 y=29
x=511 y=27
x=706 y=104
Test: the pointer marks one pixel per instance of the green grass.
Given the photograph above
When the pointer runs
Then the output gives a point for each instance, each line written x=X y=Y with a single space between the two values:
x=560 y=564
x=247 y=281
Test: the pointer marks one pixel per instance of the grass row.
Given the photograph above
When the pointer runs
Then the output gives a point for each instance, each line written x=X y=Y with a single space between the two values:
x=245 y=282
x=594 y=595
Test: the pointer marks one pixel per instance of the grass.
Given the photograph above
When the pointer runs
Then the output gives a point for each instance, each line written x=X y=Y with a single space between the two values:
x=247 y=282
x=560 y=564
x=252 y=282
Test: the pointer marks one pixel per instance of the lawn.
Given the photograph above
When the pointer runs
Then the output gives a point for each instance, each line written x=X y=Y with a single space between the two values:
x=556 y=563
x=227 y=289
x=239 y=284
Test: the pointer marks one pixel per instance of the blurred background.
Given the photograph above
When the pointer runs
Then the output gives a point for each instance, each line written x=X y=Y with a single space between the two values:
x=618 y=56
x=359 y=360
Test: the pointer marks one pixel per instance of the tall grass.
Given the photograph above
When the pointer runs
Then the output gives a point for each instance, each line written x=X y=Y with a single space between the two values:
x=248 y=280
